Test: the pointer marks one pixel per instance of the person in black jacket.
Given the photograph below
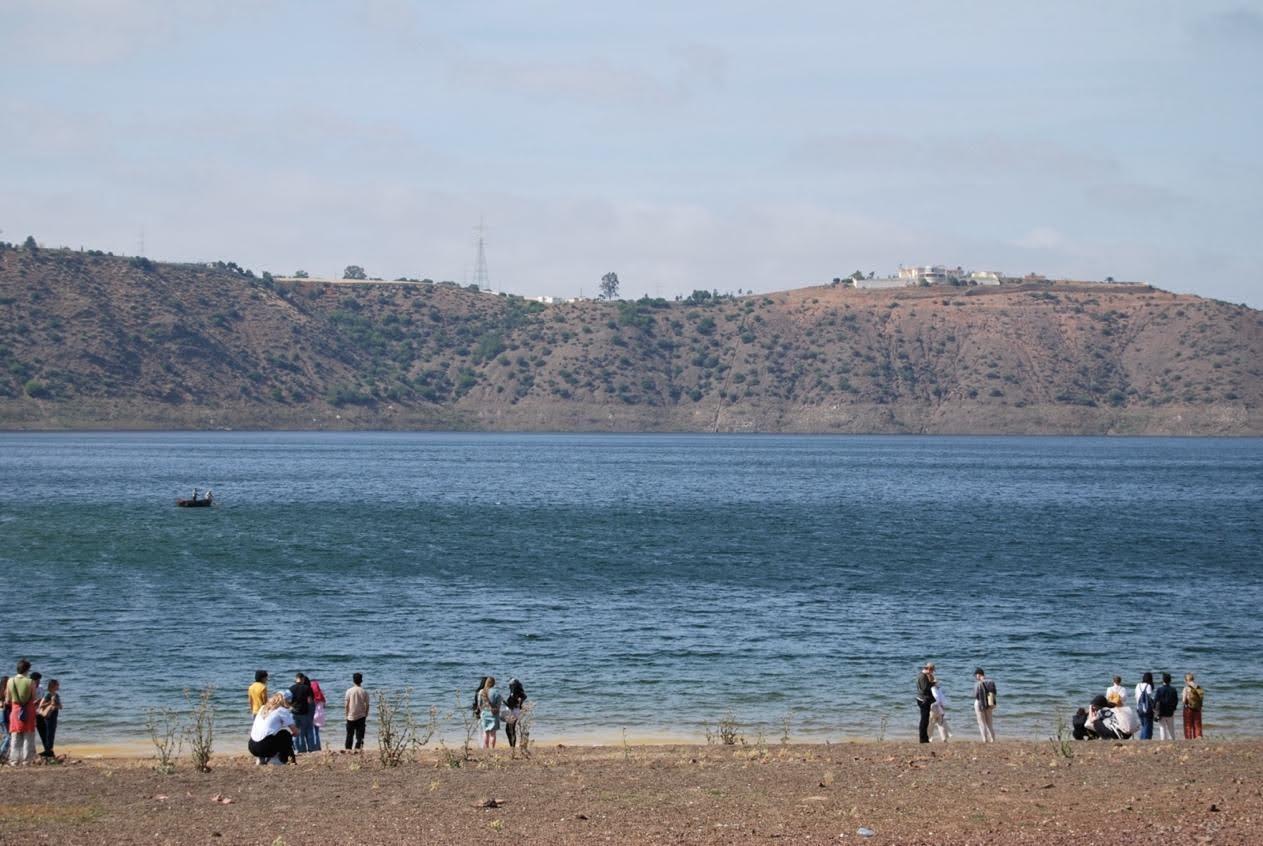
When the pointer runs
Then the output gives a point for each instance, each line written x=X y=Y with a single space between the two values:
x=925 y=698
x=304 y=710
x=514 y=702
x=1165 y=699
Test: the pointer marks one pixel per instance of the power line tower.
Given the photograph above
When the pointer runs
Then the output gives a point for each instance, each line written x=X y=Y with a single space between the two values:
x=481 y=278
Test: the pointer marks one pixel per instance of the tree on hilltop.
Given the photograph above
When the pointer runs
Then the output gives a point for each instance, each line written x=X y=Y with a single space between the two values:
x=29 y=244
x=302 y=274
x=609 y=286
x=354 y=271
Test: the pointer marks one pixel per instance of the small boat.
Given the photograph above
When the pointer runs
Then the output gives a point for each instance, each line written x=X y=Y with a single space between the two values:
x=204 y=502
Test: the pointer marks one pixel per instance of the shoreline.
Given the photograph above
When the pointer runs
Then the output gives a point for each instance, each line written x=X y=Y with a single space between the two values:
x=902 y=792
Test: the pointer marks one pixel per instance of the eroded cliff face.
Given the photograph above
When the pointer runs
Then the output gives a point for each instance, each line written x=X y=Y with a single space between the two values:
x=97 y=341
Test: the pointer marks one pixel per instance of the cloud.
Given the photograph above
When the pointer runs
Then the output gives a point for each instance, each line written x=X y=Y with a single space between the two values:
x=104 y=32
x=1242 y=27
x=688 y=73
x=1135 y=196
x=930 y=152
x=1042 y=238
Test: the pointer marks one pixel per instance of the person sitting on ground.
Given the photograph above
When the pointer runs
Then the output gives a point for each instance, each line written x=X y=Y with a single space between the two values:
x=272 y=734
x=1079 y=725
x=1111 y=723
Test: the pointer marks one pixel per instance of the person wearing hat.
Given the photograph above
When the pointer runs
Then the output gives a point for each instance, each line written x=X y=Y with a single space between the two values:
x=925 y=698
x=272 y=734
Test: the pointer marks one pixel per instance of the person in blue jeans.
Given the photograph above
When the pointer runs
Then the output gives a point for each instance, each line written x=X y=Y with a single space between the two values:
x=49 y=709
x=304 y=710
x=4 y=718
x=1144 y=706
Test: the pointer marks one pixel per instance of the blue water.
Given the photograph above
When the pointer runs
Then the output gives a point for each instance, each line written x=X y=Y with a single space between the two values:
x=639 y=582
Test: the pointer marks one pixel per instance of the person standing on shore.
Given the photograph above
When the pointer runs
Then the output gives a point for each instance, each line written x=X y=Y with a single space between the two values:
x=925 y=698
x=514 y=702
x=1144 y=706
x=1193 y=697
x=4 y=718
x=984 y=704
x=356 y=704
x=49 y=710
x=1165 y=699
x=38 y=678
x=489 y=703
x=20 y=693
x=317 y=713
x=302 y=705
x=1116 y=694
x=258 y=692
x=938 y=712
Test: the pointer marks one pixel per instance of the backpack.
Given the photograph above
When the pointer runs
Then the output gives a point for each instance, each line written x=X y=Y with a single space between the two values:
x=1144 y=705
x=1195 y=697
x=989 y=687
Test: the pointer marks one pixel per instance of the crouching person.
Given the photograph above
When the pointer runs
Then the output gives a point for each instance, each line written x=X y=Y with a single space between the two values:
x=272 y=735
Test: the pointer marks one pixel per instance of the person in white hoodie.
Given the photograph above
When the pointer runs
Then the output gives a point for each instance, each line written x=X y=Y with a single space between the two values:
x=1144 y=706
x=938 y=712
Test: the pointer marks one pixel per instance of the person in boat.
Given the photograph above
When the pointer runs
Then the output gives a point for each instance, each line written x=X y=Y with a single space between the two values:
x=195 y=494
x=210 y=495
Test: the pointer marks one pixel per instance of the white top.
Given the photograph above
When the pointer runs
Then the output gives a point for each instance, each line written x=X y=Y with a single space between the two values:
x=1140 y=688
x=266 y=725
x=939 y=696
x=1118 y=689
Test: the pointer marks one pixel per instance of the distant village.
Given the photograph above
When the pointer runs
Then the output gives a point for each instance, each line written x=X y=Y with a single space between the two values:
x=913 y=276
x=926 y=276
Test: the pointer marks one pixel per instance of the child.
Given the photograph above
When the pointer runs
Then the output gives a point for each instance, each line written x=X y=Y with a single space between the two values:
x=49 y=708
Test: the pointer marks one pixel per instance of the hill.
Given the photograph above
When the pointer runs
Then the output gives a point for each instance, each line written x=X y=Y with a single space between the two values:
x=89 y=340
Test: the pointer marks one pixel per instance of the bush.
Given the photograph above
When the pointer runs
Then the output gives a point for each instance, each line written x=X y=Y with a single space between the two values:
x=201 y=730
x=35 y=389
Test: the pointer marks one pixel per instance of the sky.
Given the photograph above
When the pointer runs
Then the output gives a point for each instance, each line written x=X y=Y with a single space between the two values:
x=732 y=145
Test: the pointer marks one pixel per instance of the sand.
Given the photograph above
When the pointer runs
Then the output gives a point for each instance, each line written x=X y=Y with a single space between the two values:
x=959 y=793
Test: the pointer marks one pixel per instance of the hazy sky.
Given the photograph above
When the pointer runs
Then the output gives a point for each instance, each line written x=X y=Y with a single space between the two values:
x=684 y=145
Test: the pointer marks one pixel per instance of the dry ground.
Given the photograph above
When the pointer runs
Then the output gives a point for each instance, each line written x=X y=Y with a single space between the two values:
x=961 y=793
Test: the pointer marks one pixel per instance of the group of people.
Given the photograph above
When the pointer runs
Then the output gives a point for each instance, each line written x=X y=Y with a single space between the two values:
x=491 y=710
x=932 y=703
x=289 y=722
x=1110 y=717
x=29 y=708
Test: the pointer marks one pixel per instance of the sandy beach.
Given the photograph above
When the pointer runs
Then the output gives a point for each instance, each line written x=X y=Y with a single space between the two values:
x=958 y=793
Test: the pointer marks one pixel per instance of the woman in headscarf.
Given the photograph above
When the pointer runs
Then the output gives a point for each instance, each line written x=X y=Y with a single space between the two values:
x=318 y=718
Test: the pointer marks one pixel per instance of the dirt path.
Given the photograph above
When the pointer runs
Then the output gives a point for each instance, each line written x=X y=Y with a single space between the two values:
x=962 y=793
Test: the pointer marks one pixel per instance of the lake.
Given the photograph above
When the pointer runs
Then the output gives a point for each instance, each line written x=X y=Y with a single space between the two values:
x=648 y=583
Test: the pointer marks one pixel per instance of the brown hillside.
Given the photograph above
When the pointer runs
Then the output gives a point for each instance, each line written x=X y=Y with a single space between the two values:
x=89 y=340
